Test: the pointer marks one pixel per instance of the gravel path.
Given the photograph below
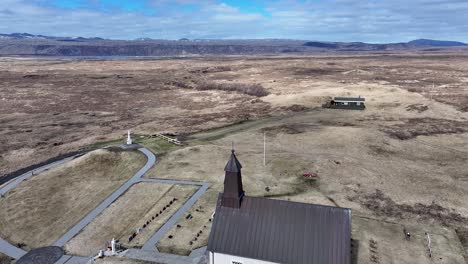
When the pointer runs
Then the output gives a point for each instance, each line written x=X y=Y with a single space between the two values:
x=5 y=247
x=15 y=252
x=66 y=259
x=151 y=243
x=168 y=181
x=10 y=250
x=157 y=257
x=108 y=201
x=29 y=174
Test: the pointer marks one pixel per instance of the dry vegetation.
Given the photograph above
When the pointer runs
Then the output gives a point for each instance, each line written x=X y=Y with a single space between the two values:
x=424 y=176
x=39 y=210
x=137 y=206
x=52 y=106
x=192 y=231
x=414 y=127
x=380 y=242
x=410 y=143
x=249 y=89
x=205 y=163
x=5 y=259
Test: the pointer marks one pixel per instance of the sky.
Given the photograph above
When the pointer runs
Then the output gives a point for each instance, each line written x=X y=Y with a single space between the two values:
x=375 y=21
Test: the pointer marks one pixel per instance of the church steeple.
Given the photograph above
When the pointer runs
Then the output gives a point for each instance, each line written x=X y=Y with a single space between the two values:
x=233 y=191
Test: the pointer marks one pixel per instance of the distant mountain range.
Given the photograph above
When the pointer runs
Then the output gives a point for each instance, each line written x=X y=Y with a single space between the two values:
x=24 y=44
x=437 y=43
x=30 y=36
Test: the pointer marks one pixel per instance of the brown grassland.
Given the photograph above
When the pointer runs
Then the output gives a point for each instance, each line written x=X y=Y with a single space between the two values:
x=131 y=211
x=400 y=163
x=5 y=259
x=39 y=210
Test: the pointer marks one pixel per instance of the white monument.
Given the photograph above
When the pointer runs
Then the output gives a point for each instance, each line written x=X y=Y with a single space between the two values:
x=113 y=241
x=129 y=139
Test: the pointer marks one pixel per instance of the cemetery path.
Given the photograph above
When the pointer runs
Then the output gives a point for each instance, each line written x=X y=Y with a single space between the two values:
x=10 y=250
x=108 y=201
x=12 y=184
x=5 y=247
x=16 y=253
x=151 y=243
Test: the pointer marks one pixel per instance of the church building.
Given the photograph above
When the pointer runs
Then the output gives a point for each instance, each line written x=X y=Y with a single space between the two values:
x=248 y=230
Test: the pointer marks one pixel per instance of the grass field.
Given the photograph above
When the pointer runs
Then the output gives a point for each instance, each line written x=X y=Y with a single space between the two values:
x=131 y=211
x=192 y=230
x=402 y=159
x=156 y=145
x=45 y=206
x=5 y=259
x=382 y=242
x=353 y=153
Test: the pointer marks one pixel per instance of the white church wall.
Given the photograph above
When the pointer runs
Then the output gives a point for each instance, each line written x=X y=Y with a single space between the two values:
x=218 y=258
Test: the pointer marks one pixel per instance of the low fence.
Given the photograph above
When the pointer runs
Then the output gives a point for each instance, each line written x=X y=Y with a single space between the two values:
x=168 y=139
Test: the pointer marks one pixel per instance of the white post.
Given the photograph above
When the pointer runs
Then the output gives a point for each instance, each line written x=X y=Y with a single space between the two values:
x=264 y=148
x=113 y=245
x=129 y=139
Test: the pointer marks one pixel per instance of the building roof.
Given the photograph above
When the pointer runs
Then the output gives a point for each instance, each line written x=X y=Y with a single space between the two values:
x=282 y=232
x=350 y=99
x=233 y=164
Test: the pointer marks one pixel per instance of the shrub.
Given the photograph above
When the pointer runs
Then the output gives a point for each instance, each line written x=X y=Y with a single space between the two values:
x=249 y=89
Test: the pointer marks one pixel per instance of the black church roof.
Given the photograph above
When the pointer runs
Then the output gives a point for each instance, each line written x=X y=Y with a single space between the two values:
x=355 y=99
x=282 y=232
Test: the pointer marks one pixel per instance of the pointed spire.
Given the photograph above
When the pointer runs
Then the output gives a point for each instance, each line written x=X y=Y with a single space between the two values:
x=233 y=190
x=233 y=164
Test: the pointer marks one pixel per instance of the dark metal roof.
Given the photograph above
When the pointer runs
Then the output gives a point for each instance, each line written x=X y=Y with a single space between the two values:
x=283 y=232
x=233 y=164
x=360 y=99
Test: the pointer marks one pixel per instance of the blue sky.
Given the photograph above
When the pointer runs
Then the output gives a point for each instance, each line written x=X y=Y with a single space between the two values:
x=375 y=21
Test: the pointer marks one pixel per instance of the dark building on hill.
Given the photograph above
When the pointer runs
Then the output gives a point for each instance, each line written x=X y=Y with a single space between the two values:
x=352 y=103
x=249 y=230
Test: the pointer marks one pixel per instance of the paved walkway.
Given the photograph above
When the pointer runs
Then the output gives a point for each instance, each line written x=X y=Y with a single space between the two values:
x=108 y=201
x=10 y=250
x=12 y=184
x=149 y=249
x=5 y=247
x=67 y=259
x=163 y=258
x=169 y=181
x=150 y=245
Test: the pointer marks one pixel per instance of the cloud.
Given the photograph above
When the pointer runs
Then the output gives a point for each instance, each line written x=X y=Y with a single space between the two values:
x=331 y=20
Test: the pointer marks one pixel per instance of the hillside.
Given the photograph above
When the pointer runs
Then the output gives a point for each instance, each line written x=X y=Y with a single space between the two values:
x=24 y=44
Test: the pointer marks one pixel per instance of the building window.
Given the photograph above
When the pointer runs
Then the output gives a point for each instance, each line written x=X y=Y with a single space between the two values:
x=236 y=262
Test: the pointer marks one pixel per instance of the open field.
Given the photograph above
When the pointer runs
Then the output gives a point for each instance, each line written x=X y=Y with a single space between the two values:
x=192 y=230
x=131 y=211
x=376 y=242
x=355 y=155
x=5 y=259
x=205 y=163
x=51 y=106
x=403 y=159
x=42 y=208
